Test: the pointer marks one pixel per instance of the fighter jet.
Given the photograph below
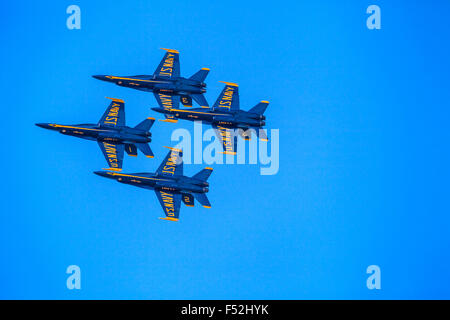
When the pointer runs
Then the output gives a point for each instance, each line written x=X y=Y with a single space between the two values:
x=111 y=134
x=169 y=183
x=225 y=117
x=166 y=83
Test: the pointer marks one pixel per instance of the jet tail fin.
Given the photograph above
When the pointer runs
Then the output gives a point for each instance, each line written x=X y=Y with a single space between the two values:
x=260 y=108
x=145 y=149
x=146 y=124
x=200 y=76
x=200 y=99
x=203 y=199
x=204 y=174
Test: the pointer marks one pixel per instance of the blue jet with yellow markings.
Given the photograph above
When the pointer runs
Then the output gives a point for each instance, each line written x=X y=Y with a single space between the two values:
x=226 y=118
x=111 y=134
x=169 y=183
x=166 y=83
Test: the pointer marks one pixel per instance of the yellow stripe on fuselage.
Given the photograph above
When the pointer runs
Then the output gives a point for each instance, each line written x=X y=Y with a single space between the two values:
x=210 y=113
x=71 y=127
x=123 y=78
x=131 y=176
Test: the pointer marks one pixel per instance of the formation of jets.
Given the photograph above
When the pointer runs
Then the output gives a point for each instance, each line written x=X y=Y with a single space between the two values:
x=111 y=134
x=169 y=88
x=170 y=185
x=225 y=116
x=166 y=83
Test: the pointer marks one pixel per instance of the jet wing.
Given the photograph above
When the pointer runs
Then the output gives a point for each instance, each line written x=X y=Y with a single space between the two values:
x=172 y=164
x=167 y=101
x=169 y=67
x=228 y=99
x=170 y=203
x=228 y=138
x=113 y=154
x=114 y=115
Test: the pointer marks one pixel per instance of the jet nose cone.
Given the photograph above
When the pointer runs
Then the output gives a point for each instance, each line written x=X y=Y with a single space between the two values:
x=43 y=125
x=102 y=173
x=156 y=109
x=101 y=77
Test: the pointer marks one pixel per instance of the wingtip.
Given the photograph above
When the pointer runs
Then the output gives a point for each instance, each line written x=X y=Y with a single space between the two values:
x=207 y=207
x=170 y=50
x=151 y=118
x=115 y=99
x=206 y=69
x=209 y=168
x=168 y=120
x=230 y=83
x=169 y=219
x=265 y=101
x=173 y=149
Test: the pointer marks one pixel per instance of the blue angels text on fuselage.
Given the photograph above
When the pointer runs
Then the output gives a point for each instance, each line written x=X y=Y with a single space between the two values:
x=166 y=83
x=225 y=117
x=170 y=185
x=111 y=133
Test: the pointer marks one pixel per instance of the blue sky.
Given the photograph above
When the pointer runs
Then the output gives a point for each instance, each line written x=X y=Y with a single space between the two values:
x=363 y=173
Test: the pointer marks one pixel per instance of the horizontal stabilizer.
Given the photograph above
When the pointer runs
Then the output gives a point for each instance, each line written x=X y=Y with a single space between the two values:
x=204 y=174
x=200 y=76
x=146 y=124
x=260 y=108
x=188 y=199
x=246 y=134
x=201 y=197
x=186 y=101
x=200 y=99
x=261 y=133
x=131 y=149
x=145 y=149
